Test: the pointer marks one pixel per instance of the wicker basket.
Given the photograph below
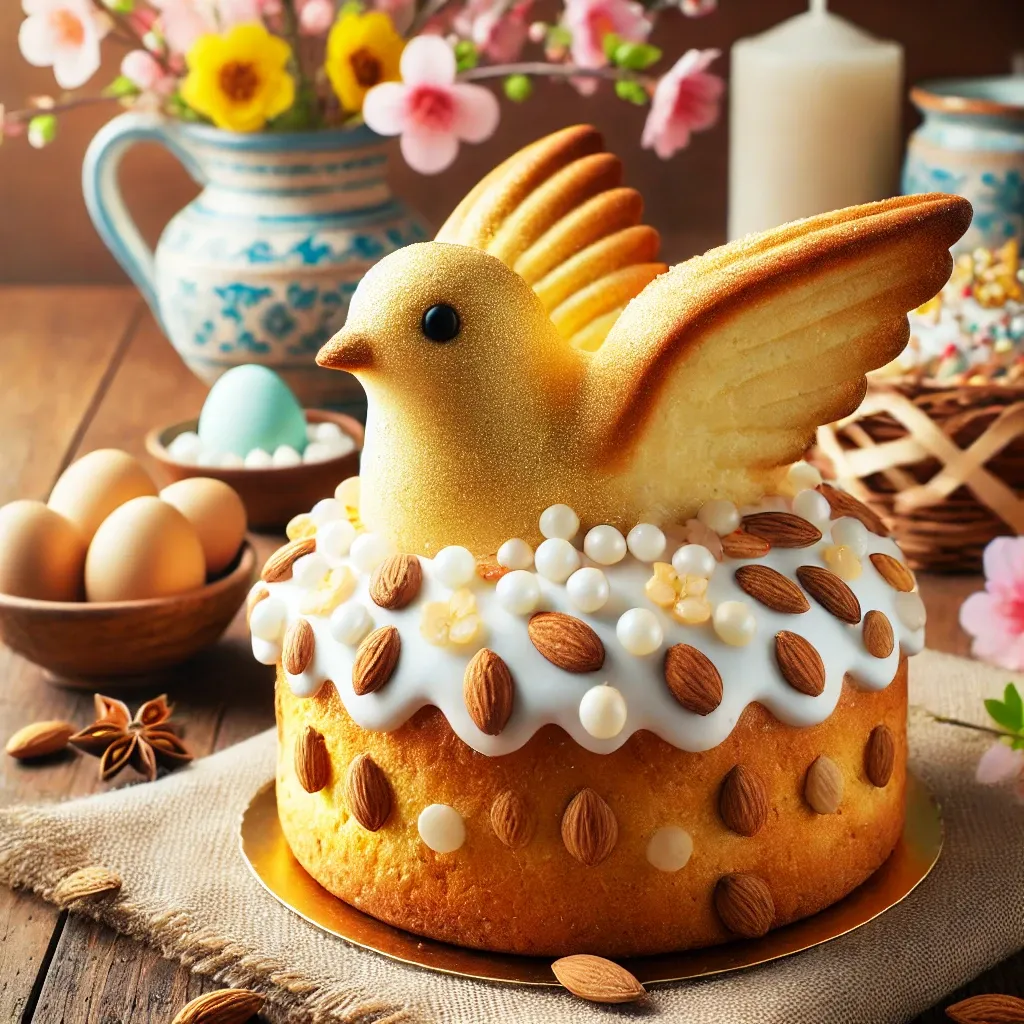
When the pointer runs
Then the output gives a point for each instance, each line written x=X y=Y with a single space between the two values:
x=943 y=466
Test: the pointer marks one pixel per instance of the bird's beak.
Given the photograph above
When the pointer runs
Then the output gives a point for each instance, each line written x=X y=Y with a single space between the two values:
x=347 y=350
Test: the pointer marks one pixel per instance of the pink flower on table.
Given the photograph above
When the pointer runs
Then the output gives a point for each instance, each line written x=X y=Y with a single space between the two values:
x=498 y=30
x=430 y=110
x=64 y=35
x=995 y=616
x=999 y=764
x=686 y=100
x=589 y=21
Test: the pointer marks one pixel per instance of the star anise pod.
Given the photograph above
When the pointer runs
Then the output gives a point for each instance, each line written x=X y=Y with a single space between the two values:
x=145 y=742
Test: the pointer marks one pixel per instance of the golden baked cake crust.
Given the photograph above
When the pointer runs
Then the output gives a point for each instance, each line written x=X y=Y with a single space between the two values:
x=537 y=898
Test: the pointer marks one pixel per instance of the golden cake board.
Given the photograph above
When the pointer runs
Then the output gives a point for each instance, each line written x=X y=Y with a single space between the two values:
x=268 y=855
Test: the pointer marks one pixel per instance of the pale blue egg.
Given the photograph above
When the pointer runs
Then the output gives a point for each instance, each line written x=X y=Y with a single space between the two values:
x=251 y=407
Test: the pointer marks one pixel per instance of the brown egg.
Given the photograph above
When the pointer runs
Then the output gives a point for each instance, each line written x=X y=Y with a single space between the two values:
x=42 y=555
x=91 y=488
x=216 y=512
x=145 y=548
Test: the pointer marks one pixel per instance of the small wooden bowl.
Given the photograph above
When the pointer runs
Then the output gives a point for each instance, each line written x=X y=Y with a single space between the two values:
x=81 y=642
x=271 y=496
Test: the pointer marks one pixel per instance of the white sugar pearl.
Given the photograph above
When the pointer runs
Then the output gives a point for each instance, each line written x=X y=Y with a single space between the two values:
x=285 y=456
x=339 y=446
x=812 y=506
x=258 y=458
x=670 y=848
x=909 y=609
x=851 y=533
x=349 y=623
x=334 y=540
x=556 y=559
x=207 y=460
x=317 y=451
x=721 y=516
x=441 y=827
x=326 y=432
x=229 y=460
x=309 y=570
x=588 y=589
x=639 y=631
x=454 y=566
x=605 y=545
x=603 y=712
x=515 y=554
x=517 y=592
x=560 y=522
x=310 y=432
x=800 y=476
x=694 y=560
x=186 y=447
x=268 y=618
x=646 y=542
x=369 y=550
x=734 y=623
x=347 y=492
x=326 y=510
x=264 y=651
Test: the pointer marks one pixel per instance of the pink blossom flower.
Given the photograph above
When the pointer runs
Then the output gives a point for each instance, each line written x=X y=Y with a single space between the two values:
x=995 y=617
x=686 y=100
x=316 y=17
x=697 y=8
x=999 y=764
x=430 y=110
x=184 y=21
x=64 y=35
x=589 y=21
x=498 y=30
x=401 y=12
x=143 y=70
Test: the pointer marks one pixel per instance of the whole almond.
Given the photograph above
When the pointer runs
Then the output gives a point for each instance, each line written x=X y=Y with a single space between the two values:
x=225 y=1006
x=693 y=679
x=297 y=649
x=95 y=884
x=488 y=691
x=800 y=663
x=743 y=801
x=772 y=589
x=744 y=904
x=894 y=572
x=823 y=786
x=830 y=592
x=376 y=659
x=39 y=739
x=880 y=756
x=740 y=544
x=566 y=641
x=597 y=980
x=987 y=1009
x=396 y=581
x=844 y=504
x=511 y=820
x=255 y=596
x=368 y=793
x=782 y=529
x=878 y=636
x=589 y=828
x=279 y=565
x=312 y=761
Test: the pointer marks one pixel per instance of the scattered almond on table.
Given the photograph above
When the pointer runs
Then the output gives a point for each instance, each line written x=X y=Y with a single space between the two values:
x=987 y=1009
x=597 y=980
x=39 y=739
x=225 y=1006
x=94 y=883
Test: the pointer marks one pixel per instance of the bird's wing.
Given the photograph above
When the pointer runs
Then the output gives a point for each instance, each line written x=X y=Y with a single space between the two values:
x=734 y=358
x=557 y=213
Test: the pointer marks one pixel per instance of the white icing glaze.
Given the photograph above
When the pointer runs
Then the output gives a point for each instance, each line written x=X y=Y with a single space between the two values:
x=427 y=674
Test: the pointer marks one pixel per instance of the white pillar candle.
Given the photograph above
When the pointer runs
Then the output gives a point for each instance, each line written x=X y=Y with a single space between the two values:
x=814 y=120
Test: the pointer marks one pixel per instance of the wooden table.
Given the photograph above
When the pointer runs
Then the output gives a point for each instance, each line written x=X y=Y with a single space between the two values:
x=85 y=368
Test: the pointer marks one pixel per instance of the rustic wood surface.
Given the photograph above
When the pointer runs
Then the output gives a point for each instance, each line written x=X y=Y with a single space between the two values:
x=83 y=368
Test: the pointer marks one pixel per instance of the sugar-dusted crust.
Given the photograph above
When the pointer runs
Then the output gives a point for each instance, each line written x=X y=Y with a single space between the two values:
x=540 y=900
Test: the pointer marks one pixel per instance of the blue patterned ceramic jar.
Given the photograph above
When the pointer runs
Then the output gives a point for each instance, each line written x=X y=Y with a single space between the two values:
x=260 y=267
x=972 y=144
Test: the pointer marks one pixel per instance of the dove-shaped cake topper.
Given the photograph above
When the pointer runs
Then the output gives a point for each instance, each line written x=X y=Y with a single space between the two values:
x=536 y=352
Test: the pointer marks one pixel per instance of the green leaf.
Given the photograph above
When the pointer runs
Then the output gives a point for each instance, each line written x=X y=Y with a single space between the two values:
x=558 y=36
x=181 y=110
x=635 y=56
x=518 y=88
x=121 y=87
x=610 y=43
x=1001 y=714
x=631 y=92
x=1017 y=744
x=466 y=55
x=1015 y=706
x=120 y=6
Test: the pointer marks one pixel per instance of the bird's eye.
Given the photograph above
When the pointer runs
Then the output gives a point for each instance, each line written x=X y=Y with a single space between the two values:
x=440 y=323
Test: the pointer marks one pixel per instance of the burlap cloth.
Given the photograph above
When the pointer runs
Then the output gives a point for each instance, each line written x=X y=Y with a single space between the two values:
x=188 y=893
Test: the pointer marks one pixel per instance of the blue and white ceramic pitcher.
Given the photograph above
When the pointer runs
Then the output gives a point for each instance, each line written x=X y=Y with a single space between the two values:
x=260 y=267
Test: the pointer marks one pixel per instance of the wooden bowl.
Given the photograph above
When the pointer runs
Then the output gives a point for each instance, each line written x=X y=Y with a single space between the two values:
x=271 y=496
x=82 y=642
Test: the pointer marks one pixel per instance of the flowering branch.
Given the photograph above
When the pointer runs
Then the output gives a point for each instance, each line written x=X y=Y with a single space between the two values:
x=129 y=35
x=539 y=69
x=946 y=720
x=27 y=113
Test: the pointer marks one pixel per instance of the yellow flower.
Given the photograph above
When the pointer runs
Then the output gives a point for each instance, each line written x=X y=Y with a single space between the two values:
x=363 y=50
x=240 y=79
